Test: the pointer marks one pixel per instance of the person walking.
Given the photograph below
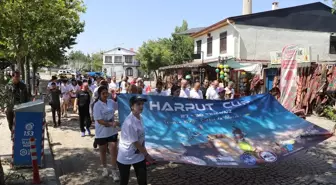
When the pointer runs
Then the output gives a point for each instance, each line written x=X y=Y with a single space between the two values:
x=212 y=91
x=82 y=104
x=106 y=132
x=184 y=93
x=17 y=93
x=74 y=88
x=65 y=90
x=132 y=150
x=204 y=88
x=196 y=93
x=55 y=103
x=159 y=90
x=230 y=90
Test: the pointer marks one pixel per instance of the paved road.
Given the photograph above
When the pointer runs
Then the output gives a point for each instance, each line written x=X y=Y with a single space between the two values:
x=78 y=163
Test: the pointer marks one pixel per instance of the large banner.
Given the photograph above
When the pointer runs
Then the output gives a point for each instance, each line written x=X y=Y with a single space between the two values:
x=246 y=132
x=288 y=84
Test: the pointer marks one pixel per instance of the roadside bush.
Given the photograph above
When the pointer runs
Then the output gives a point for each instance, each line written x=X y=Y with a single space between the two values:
x=330 y=113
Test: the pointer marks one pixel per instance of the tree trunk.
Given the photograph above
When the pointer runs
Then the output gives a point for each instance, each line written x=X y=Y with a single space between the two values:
x=27 y=74
x=34 y=78
x=21 y=69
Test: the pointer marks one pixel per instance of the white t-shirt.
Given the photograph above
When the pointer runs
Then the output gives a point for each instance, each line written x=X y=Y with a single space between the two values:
x=104 y=111
x=162 y=93
x=92 y=87
x=184 y=93
x=65 y=89
x=132 y=130
x=196 y=94
x=212 y=93
x=123 y=87
x=74 y=89
x=95 y=93
x=113 y=86
x=49 y=84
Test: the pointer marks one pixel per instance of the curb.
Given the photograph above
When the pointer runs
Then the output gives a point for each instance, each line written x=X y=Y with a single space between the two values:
x=50 y=174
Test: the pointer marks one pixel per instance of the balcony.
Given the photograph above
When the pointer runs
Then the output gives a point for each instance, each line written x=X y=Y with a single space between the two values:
x=133 y=63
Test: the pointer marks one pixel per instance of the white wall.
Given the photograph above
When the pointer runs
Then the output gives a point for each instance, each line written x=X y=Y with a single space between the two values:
x=231 y=43
x=257 y=42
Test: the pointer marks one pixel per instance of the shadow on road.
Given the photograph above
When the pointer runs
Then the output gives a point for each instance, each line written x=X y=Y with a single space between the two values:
x=82 y=167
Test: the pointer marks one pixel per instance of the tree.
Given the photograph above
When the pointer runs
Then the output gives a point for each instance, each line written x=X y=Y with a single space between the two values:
x=36 y=29
x=181 y=46
x=154 y=54
x=177 y=49
x=97 y=61
x=78 y=60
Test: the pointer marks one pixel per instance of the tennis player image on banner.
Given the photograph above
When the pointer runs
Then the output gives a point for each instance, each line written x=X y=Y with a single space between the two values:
x=245 y=132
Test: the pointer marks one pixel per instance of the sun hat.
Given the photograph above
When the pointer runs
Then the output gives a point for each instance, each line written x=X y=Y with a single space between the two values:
x=135 y=99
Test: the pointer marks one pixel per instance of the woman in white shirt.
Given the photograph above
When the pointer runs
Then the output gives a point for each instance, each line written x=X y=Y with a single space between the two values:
x=132 y=150
x=106 y=136
x=65 y=97
x=196 y=92
x=74 y=88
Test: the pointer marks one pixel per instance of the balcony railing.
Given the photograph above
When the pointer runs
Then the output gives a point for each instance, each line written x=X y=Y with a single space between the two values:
x=133 y=63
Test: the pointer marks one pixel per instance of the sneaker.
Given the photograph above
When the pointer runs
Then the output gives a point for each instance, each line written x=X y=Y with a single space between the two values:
x=115 y=175
x=82 y=134
x=105 y=172
x=88 y=132
x=55 y=125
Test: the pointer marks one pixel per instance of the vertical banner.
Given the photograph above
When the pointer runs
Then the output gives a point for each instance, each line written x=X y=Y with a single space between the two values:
x=288 y=76
x=27 y=125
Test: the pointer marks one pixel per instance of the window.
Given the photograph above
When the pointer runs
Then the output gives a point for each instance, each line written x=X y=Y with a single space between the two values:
x=223 y=43
x=117 y=59
x=209 y=46
x=128 y=59
x=332 y=48
x=199 y=46
x=129 y=71
x=108 y=59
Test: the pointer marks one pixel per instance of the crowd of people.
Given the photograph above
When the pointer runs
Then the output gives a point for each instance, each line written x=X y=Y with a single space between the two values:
x=95 y=101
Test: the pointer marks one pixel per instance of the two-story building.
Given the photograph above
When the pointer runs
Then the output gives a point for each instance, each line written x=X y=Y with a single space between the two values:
x=120 y=62
x=253 y=36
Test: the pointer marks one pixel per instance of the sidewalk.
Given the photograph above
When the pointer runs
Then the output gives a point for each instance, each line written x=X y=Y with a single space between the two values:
x=24 y=176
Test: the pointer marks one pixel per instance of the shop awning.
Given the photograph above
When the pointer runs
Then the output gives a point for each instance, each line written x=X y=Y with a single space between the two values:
x=304 y=64
x=193 y=64
x=248 y=67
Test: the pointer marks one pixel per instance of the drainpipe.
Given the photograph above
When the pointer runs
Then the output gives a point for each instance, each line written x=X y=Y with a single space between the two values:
x=239 y=37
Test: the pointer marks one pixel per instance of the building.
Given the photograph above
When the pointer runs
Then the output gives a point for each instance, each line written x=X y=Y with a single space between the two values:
x=120 y=62
x=254 y=36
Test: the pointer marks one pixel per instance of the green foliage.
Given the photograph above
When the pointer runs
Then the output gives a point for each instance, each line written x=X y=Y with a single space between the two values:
x=78 y=60
x=42 y=30
x=154 y=54
x=97 y=61
x=182 y=46
x=177 y=49
x=330 y=113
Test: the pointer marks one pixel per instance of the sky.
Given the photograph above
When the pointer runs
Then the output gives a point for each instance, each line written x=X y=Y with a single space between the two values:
x=129 y=23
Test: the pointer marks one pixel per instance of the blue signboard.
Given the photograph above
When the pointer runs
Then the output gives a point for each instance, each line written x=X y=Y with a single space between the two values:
x=246 y=132
x=27 y=125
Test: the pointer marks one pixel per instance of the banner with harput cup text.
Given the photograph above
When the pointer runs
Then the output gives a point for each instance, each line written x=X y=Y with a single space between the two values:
x=245 y=132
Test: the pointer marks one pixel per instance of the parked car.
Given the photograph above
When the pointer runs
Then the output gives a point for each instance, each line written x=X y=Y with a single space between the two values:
x=64 y=73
